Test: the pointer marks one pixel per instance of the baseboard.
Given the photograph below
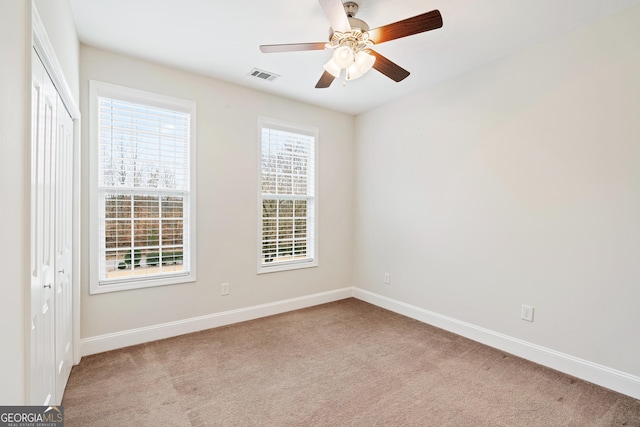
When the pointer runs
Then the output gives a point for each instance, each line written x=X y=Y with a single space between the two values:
x=592 y=372
x=598 y=374
x=107 y=342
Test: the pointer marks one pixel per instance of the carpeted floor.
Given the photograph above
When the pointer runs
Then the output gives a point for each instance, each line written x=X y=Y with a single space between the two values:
x=346 y=363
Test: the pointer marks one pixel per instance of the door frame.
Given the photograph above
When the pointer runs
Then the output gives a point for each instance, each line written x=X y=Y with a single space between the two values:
x=43 y=47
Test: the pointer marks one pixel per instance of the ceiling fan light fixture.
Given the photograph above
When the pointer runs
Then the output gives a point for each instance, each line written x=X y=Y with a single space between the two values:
x=353 y=41
x=363 y=63
x=343 y=56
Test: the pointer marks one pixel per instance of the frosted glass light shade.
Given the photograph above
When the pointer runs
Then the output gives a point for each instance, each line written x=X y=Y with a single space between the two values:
x=343 y=56
x=363 y=63
x=332 y=68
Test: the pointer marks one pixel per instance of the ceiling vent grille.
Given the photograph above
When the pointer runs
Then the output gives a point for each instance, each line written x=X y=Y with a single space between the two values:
x=264 y=75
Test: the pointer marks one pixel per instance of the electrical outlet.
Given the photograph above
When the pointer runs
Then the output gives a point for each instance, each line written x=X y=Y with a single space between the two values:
x=526 y=313
x=224 y=289
x=387 y=278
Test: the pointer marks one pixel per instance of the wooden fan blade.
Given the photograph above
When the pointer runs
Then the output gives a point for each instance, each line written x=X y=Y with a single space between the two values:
x=389 y=68
x=334 y=10
x=293 y=47
x=325 y=81
x=407 y=27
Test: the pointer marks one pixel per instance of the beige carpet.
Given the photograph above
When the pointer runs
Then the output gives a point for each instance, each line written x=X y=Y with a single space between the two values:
x=346 y=363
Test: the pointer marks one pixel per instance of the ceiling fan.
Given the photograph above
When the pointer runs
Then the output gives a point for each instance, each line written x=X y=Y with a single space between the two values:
x=352 y=42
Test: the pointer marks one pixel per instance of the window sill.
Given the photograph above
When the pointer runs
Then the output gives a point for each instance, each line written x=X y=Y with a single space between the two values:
x=101 y=288
x=284 y=266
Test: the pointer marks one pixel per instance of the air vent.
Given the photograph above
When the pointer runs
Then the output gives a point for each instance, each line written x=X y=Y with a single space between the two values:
x=264 y=75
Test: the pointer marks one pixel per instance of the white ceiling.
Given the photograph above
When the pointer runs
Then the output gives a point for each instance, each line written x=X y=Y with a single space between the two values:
x=221 y=38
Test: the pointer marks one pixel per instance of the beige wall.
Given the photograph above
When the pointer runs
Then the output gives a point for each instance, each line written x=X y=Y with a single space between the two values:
x=227 y=162
x=13 y=211
x=516 y=183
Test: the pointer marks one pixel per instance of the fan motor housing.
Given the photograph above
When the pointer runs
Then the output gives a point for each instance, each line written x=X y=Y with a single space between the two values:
x=358 y=23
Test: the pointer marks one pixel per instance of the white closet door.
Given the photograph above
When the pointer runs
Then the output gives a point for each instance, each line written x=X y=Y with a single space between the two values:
x=44 y=117
x=51 y=241
x=63 y=249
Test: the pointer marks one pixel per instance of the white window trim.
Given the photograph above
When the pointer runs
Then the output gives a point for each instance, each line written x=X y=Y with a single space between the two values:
x=294 y=128
x=101 y=89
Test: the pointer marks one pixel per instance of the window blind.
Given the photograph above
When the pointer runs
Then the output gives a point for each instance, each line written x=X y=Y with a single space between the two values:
x=142 y=146
x=288 y=197
x=143 y=179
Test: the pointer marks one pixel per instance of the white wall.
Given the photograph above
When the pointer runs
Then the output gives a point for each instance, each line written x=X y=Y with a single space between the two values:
x=13 y=213
x=516 y=183
x=227 y=162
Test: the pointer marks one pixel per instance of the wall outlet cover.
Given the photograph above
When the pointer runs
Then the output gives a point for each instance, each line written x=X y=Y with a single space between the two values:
x=526 y=313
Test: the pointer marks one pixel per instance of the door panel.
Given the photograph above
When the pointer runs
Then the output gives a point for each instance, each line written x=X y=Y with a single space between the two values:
x=44 y=115
x=63 y=252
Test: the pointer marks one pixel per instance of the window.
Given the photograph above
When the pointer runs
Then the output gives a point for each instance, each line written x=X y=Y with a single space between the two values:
x=287 y=205
x=142 y=198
